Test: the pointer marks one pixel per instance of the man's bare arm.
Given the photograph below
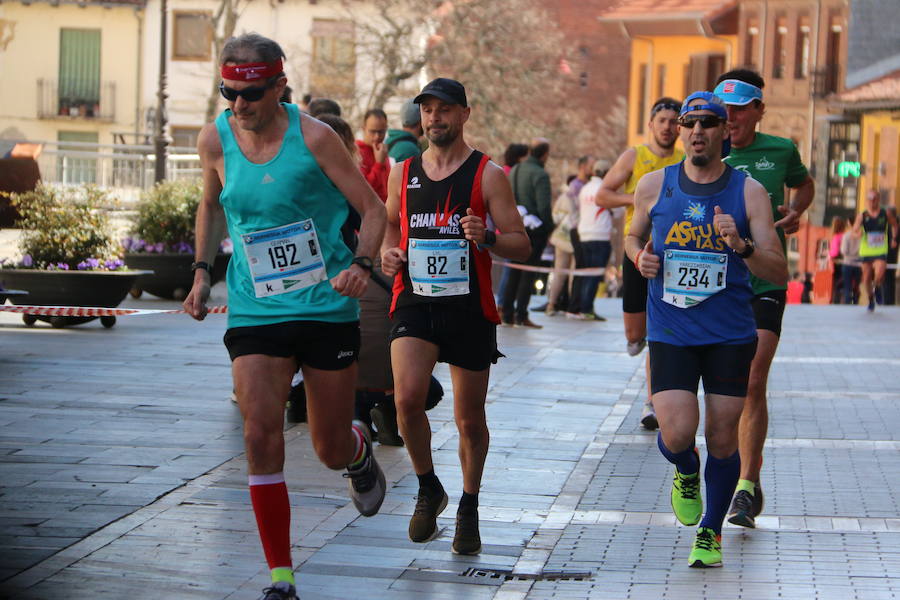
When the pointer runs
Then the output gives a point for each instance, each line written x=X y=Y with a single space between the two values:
x=336 y=163
x=210 y=221
x=392 y=257
x=512 y=241
x=608 y=195
x=638 y=246
x=767 y=261
x=800 y=199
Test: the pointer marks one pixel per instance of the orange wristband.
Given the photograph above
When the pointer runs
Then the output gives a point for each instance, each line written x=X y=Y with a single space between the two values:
x=637 y=259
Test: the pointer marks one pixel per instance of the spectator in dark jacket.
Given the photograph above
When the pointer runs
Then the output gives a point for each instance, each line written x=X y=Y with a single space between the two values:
x=404 y=143
x=531 y=187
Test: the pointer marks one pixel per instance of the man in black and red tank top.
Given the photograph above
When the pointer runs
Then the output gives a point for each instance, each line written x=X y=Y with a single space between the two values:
x=436 y=247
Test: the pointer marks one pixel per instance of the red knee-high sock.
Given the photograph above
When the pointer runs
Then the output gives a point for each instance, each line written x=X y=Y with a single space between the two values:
x=269 y=496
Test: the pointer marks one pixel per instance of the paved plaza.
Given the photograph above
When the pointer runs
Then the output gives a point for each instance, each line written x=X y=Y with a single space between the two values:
x=122 y=474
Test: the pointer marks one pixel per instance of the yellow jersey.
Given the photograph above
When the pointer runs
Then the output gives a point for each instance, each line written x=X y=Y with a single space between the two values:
x=645 y=161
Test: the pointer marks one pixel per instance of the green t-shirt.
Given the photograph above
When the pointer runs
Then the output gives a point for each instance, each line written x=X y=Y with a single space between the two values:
x=774 y=162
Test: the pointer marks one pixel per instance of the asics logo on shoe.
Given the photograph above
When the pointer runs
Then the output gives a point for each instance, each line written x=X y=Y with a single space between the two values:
x=344 y=354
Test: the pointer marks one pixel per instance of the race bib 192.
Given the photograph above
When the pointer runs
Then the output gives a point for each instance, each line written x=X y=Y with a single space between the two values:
x=284 y=259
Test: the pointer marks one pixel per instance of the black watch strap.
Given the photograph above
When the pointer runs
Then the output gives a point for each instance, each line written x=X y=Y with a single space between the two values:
x=749 y=248
x=201 y=265
x=363 y=261
x=490 y=238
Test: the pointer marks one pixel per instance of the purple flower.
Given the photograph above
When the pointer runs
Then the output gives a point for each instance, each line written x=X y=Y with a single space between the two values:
x=27 y=261
x=59 y=266
x=184 y=248
x=112 y=265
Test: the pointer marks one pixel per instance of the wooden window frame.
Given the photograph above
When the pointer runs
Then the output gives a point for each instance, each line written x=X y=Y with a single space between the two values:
x=209 y=35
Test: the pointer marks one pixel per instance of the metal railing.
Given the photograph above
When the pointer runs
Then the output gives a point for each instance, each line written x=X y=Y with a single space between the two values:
x=69 y=99
x=127 y=169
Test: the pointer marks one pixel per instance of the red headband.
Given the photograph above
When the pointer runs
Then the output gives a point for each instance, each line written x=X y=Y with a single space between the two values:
x=252 y=71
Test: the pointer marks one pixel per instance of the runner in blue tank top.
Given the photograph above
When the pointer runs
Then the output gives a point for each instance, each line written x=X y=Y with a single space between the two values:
x=280 y=181
x=711 y=227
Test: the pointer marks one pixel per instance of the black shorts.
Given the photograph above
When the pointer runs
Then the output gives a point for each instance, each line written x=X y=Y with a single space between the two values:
x=464 y=339
x=634 y=289
x=871 y=259
x=768 y=310
x=724 y=368
x=321 y=345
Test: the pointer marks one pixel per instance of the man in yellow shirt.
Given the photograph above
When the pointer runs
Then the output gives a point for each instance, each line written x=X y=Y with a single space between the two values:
x=634 y=163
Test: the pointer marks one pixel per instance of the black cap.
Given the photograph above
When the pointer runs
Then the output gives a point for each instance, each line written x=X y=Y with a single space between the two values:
x=448 y=90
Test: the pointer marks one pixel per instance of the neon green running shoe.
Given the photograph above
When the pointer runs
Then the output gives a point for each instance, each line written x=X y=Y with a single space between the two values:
x=686 y=501
x=707 y=550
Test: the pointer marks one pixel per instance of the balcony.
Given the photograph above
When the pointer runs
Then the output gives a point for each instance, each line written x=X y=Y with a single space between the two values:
x=826 y=80
x=76 y=99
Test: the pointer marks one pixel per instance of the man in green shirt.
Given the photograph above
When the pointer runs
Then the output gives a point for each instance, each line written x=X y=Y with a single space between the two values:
x=775 y=163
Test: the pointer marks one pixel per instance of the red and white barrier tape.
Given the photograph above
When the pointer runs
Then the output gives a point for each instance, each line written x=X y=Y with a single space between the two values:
x=93 y=311
x=592 y=272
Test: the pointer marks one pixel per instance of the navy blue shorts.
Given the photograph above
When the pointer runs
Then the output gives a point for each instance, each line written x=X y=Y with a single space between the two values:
x=724 y=368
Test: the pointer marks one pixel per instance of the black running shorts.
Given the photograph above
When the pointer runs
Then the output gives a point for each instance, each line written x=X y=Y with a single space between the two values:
x=724 y=368
x=768 y=310
x=634 y=288
x=465 y=339
x=321 y=345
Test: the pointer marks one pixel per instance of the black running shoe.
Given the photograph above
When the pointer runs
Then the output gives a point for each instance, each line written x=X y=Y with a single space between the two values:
x=279 y=591
x=423 y=524
x=758 y=500
x=741 y=511
x=467 y=540
x=384 y=417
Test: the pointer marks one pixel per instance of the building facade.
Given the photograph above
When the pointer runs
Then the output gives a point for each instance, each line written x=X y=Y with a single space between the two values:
x=70 y=69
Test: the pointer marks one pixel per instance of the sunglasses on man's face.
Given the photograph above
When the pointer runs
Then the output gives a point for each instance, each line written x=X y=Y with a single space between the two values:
x=706 y=121
x=250 y=94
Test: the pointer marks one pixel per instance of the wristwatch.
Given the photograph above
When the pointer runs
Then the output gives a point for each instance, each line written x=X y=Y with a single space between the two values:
x=748 y=250
x=363 y=262
x=201 y=265
x=490 y=238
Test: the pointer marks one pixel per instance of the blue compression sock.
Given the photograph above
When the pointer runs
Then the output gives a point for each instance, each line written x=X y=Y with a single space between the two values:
x=721 y=475
x=687 y=462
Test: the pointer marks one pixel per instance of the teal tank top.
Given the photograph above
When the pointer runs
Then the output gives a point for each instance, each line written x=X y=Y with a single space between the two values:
x=287 y=189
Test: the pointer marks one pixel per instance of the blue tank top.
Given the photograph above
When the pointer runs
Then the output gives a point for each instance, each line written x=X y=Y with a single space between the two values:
x=289 y=188
x=682 y=221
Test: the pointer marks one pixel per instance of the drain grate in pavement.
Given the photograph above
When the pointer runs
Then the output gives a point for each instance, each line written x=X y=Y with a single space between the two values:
x=507 y=575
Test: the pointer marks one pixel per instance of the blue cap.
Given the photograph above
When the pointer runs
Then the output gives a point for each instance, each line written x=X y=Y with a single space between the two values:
x=713 y=103
x=735 y=91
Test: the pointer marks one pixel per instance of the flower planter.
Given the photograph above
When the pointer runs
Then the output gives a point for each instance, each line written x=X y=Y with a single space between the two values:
x=172 y=277
x=69 y=288
x=4 y=294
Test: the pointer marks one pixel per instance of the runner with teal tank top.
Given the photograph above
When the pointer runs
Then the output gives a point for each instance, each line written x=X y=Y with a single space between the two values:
x=280 y=182
x=775 y=163
x=871 y=227
x=711 y=226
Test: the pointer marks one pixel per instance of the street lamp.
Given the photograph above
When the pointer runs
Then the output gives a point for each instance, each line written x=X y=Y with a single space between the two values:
x=160 y=138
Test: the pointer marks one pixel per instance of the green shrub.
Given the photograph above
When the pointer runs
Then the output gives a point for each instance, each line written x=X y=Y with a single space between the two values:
x=165 y=219
x=65 y=228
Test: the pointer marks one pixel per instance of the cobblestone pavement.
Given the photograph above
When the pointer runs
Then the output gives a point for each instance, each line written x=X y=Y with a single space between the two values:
x=121 y=474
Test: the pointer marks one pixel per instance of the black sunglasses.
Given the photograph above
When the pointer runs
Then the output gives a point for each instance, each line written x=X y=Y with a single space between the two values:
x=706 y=121
x=250 y=94
x=664 y=106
